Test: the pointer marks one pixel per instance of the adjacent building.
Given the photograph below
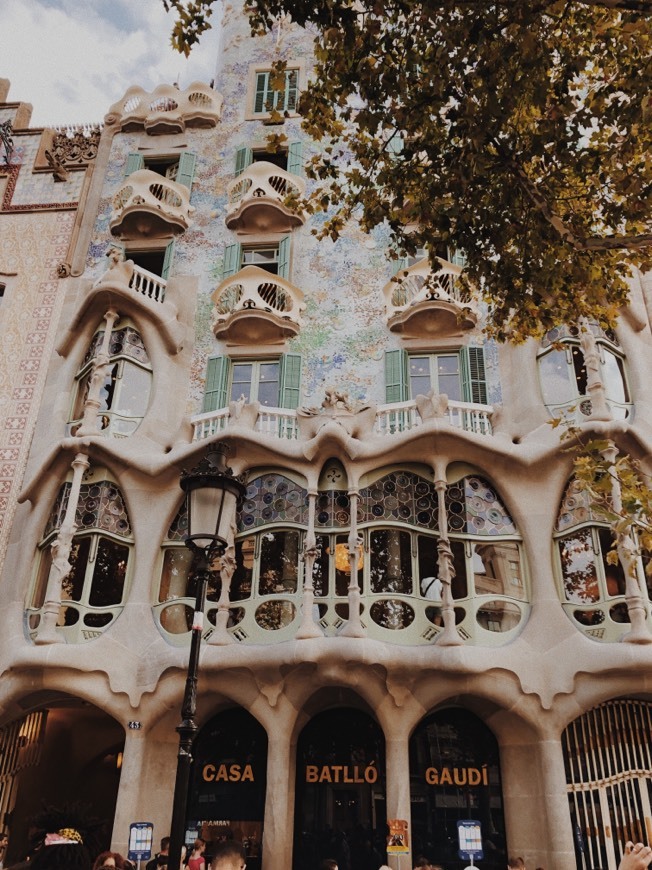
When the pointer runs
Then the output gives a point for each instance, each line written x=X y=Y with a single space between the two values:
x=415 y=620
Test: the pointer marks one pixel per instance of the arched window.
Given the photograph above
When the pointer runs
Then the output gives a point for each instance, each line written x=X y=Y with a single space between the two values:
x=563 y=375
x=93 y=593
x=124 y=394
x=592 y=589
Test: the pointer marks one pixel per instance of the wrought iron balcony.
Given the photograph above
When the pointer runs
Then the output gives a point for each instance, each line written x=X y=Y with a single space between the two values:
x=257 y=199
x=150 y=205
x=255 y=306
x=167 y=109
x=420 y=302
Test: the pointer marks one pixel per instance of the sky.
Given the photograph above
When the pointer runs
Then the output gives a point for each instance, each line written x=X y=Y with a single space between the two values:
x=71 y=59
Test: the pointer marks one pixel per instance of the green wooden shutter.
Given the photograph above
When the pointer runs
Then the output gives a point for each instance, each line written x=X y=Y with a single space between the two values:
x=290 y=378
x=457 y=258
x=284 y=258
x=217 y=371
x=395 y=144
x=262 y=87
x=396 y=376
x=291 y=94
x=243 y=157
x=474 y=385
x=186 y=169
x=167 y=260
x=295 y=158
x=399 y=265
x=232 y=259
x=134 y=161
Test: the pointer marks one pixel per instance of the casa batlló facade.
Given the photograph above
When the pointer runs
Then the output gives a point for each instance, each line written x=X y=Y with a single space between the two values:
x=414 y=619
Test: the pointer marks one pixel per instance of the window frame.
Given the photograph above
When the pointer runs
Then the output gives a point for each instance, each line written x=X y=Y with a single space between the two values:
x=254 y=72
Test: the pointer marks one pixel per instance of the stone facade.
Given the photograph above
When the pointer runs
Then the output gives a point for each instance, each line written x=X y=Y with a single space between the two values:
x=408 y=554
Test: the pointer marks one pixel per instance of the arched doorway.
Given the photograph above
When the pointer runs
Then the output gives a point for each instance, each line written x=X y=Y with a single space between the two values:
x=608 y=757
x=340 y=792
x=61 y=751
x=227 y=790
x=455 y=776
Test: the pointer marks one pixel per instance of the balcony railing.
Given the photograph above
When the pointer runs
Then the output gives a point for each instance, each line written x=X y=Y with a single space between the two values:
x=419 y=300
x=148 y=203
x=147 y=284
x=256 y=199
x=167 y=109
x=255 y=305
x=390 y=420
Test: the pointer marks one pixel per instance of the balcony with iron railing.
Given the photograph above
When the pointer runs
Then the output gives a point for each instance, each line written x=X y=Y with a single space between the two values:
x=390 y=420
x=255 y=306
x=150 y=205
x=421 y=302
x=167 y=109
x=258 y=200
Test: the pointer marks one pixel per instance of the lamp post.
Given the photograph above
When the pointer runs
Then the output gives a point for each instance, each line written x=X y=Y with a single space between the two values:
x=212 y=496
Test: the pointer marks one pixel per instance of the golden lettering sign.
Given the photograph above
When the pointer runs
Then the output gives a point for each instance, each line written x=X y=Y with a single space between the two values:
x=457 y=776
x=355 y=773
x=228 y=773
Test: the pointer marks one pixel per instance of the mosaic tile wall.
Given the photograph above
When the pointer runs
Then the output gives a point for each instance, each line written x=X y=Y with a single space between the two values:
x=31 y=245
x=344 y=335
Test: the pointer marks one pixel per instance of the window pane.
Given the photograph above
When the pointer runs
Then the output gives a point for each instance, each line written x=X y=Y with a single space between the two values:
x=320 y=567
x=342 y=566
x=614 y=380
x=578 y=568
x=40 y=587
x=73 y=585
x=419 y=375
x=496 y=569
x=241 y=381
x=244 y=565
x=391 y=561
x=448 y=376
x=279 y=562
x=428 y=568
x=133 y=391
x=614 y=574
x=555 y=374
x=109 y=573
x=174 y=577
x=268 y=384
x=579 y=367
x=459 y=586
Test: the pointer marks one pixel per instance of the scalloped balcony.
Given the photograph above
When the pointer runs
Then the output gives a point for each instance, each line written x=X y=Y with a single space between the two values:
x=167 y=109
x=150 y=205
x=422 y=303
x=255 y=306
x=257 y=200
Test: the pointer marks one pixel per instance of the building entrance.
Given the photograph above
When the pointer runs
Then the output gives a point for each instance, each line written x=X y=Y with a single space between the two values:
x=340 y=792
x=455 y=776
x=227 y=791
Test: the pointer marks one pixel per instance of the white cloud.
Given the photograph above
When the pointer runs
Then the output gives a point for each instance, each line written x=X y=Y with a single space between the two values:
x=73 y=59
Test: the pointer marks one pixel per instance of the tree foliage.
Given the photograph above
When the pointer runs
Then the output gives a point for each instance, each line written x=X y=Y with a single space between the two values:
x=517 y=131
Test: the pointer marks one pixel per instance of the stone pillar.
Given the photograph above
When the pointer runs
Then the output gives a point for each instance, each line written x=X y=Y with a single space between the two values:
x=101 y=368
x=61 y=547
x=146 y=787
x=397 y=765
x=354 y=626
x=309 y=627
x=535 y=799
x=449 y=636
x=279 y=799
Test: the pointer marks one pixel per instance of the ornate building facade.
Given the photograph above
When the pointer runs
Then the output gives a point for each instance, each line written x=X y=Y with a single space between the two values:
x=415 y=619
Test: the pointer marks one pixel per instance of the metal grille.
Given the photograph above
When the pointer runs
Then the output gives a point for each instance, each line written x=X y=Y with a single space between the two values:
x=608 y=759
x=20 y=747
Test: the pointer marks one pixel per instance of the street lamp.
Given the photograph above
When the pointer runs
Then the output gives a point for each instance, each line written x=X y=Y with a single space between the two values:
x=212 y=496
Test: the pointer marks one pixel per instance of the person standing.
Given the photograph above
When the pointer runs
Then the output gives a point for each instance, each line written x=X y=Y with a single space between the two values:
x=197 y=860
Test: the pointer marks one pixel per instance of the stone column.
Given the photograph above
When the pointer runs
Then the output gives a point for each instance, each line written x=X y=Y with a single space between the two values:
x=101 y=367
x=397 y=766
x=449 y=636
x=61 y=547
x=308 y=627
x=354 y=626
x=594 y=385
x=146 y=787
x=536 y=802
x=279 y=799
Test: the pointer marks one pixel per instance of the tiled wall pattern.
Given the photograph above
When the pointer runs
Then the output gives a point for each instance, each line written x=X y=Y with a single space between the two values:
x=31 y=245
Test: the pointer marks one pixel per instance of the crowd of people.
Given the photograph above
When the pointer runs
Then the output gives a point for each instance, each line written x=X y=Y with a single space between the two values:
x=69 y=848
